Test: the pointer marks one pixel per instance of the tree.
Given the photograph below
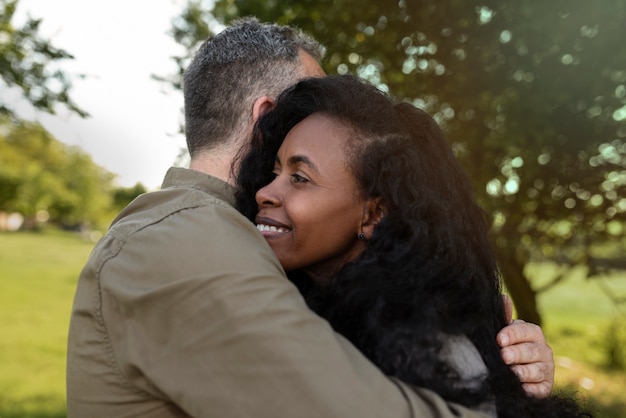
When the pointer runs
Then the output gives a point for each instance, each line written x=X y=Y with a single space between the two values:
x=122 y=196
x=42 y=177
x=532 y=96
x=27 y=63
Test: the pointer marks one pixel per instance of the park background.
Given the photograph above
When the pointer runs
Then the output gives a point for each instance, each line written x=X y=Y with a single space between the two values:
x=531 y=95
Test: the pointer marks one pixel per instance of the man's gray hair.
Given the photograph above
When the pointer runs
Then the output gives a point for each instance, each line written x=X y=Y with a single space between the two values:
x=231 y=70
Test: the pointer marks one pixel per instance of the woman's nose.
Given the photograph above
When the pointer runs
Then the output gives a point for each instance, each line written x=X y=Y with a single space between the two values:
x=268 y=196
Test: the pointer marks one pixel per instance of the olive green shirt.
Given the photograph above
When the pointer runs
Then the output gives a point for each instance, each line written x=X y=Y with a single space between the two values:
x=183 y=310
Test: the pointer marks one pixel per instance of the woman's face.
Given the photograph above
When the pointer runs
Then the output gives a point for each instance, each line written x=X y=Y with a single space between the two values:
x=311 y=212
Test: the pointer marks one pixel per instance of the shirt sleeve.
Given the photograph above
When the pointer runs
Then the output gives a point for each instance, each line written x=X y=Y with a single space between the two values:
x=199 y=313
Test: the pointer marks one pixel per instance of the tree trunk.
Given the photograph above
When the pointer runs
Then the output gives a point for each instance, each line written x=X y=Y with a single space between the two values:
x=523 y=296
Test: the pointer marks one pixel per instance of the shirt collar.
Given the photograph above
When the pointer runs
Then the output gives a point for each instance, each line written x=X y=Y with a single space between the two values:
x=186 y=178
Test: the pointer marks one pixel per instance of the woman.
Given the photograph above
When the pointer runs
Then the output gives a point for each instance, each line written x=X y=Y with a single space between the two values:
x=373 y=218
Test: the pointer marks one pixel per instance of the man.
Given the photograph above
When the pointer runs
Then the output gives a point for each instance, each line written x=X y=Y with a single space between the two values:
x=183 y=309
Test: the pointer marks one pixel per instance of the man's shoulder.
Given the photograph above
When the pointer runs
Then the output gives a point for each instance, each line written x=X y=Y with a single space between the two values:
x=151 y=209
x=196 y=220
x=174 y=233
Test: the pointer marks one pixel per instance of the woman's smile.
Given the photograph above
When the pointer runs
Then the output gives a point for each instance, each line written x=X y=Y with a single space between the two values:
x=270 y=228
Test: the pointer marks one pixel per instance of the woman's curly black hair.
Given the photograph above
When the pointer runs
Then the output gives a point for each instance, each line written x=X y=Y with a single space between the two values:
x=428 y=270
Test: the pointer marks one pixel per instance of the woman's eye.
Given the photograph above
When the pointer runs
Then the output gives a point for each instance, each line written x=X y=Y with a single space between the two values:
x=297 y=178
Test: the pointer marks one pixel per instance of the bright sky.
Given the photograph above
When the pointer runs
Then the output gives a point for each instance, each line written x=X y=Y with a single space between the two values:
x=118 y=44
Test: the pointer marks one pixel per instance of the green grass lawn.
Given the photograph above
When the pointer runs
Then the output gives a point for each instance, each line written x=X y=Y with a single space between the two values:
x=586 y=332
x=38 y=274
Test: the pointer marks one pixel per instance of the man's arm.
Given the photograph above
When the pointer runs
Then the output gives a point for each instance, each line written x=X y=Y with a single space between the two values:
x=525 y=349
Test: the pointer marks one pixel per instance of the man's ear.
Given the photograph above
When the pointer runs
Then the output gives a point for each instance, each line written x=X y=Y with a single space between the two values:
x=373 y=213
x=262 y=105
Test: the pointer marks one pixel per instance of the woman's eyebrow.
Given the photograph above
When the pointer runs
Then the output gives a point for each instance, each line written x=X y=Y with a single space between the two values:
x=302 y=159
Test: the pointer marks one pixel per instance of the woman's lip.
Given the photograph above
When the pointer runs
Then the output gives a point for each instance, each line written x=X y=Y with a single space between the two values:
x=270 y=223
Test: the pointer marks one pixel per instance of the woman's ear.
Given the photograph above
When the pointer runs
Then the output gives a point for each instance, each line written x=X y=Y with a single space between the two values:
x=373 y=213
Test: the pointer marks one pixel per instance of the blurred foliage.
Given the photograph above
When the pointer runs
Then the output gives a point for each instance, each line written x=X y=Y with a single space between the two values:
x=40 y=178
x=27 y=63
x=532 y=96
x=48 y=181
x=122 y=196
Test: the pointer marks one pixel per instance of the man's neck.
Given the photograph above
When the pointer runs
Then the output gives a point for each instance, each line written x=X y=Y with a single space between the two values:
x=214 y=164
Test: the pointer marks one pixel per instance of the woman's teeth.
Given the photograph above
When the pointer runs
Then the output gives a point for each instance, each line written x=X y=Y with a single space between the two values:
x=268 y=228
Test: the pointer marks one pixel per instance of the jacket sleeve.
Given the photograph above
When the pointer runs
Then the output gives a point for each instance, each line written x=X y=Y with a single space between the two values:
x=200 y=314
